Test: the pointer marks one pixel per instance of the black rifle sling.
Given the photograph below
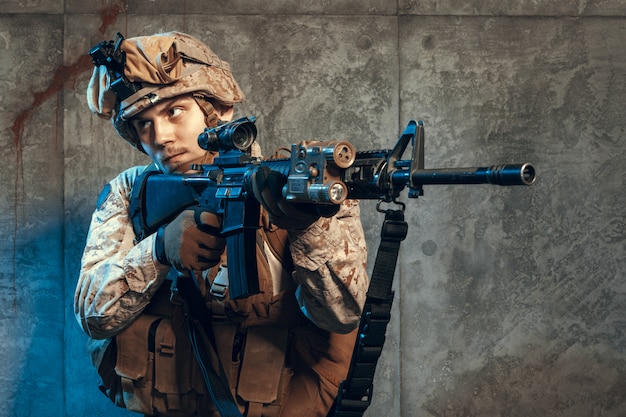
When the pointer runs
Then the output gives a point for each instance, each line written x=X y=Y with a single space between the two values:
x=198 y=313
x=355 y=392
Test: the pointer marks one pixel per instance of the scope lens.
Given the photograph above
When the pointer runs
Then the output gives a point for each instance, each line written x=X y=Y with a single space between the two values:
x=243 y=136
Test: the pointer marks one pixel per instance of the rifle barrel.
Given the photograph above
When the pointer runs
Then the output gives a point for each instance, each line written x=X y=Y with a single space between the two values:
x=506 y=174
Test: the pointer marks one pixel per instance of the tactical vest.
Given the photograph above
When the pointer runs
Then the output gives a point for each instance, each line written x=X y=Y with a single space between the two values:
x=276 y=361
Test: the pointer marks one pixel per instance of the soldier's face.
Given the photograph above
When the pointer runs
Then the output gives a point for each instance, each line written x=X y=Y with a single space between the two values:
x=168 y=132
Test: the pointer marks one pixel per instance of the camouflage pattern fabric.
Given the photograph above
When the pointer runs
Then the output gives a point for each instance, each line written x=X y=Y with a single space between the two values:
x=119 y=277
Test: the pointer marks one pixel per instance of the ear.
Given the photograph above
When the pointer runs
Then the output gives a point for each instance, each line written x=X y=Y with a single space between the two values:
x=225 y=113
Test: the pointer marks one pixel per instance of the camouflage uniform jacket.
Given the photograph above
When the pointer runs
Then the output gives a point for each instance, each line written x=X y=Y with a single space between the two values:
x=118 y=276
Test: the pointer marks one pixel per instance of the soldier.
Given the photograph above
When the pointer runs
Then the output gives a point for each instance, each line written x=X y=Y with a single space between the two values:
x=282 y=351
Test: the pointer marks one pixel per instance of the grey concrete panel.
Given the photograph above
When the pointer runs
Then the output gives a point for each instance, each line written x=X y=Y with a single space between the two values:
x=518 y=303
x=32 y=6
x=330 y=78
x=347 y=7
x=214 y=8
x=513 y=8
x=31 y=166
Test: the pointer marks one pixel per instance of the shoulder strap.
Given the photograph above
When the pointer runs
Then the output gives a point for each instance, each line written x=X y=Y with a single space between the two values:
x=136 y=208
x=355 y=392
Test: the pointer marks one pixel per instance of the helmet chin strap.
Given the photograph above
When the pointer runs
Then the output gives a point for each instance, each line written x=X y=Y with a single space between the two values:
x=211 y=118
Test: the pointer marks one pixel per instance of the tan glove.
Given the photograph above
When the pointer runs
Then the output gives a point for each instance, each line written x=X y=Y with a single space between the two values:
x=191 y=241
x=267 y=186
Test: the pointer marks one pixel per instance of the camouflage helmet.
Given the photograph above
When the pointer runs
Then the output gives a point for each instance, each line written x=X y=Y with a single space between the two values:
x=133 y=74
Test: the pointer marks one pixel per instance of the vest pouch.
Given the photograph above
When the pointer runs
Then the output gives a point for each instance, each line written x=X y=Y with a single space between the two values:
x=150 y=368
x=262 y=365
x=176 y=379
x=156 y=371
x=135 y=363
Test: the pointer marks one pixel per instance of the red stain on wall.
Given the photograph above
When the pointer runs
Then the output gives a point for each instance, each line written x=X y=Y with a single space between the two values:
x=65 y=75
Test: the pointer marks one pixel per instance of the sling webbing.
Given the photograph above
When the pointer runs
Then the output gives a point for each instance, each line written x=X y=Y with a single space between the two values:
x=216 y=384
x=355 y=392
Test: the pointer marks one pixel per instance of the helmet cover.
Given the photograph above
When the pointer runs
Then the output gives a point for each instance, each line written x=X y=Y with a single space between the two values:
x=159 y=67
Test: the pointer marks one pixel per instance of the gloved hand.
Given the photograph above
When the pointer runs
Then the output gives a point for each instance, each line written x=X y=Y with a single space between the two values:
x=191 y=241
x=267 y=186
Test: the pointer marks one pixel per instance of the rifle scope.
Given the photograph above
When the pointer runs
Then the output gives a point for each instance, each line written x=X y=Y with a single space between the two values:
x=238 y=134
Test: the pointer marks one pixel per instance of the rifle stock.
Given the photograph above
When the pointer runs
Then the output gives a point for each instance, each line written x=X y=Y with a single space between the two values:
x=317 y=173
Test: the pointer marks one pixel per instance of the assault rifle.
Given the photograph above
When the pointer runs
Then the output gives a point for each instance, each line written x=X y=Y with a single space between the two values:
x=323 y=173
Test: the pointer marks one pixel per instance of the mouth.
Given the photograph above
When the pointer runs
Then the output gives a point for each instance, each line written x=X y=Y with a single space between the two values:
x=172 y=161
x=172 y=157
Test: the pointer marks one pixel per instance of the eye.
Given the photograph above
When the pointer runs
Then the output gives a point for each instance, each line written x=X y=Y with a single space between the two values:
x=141 y=124
x=175 y=111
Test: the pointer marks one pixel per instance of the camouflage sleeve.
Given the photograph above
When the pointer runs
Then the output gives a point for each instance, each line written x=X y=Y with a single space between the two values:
x=330 y=259
x=117 y=278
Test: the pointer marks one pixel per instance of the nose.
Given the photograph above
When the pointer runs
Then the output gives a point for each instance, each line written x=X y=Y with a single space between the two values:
x=163 y=132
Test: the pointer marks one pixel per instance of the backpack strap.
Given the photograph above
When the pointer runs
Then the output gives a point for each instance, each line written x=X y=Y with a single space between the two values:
x=355 y=392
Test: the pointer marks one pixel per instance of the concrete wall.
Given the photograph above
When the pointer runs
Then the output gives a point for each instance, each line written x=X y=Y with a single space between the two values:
x=509 y=301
